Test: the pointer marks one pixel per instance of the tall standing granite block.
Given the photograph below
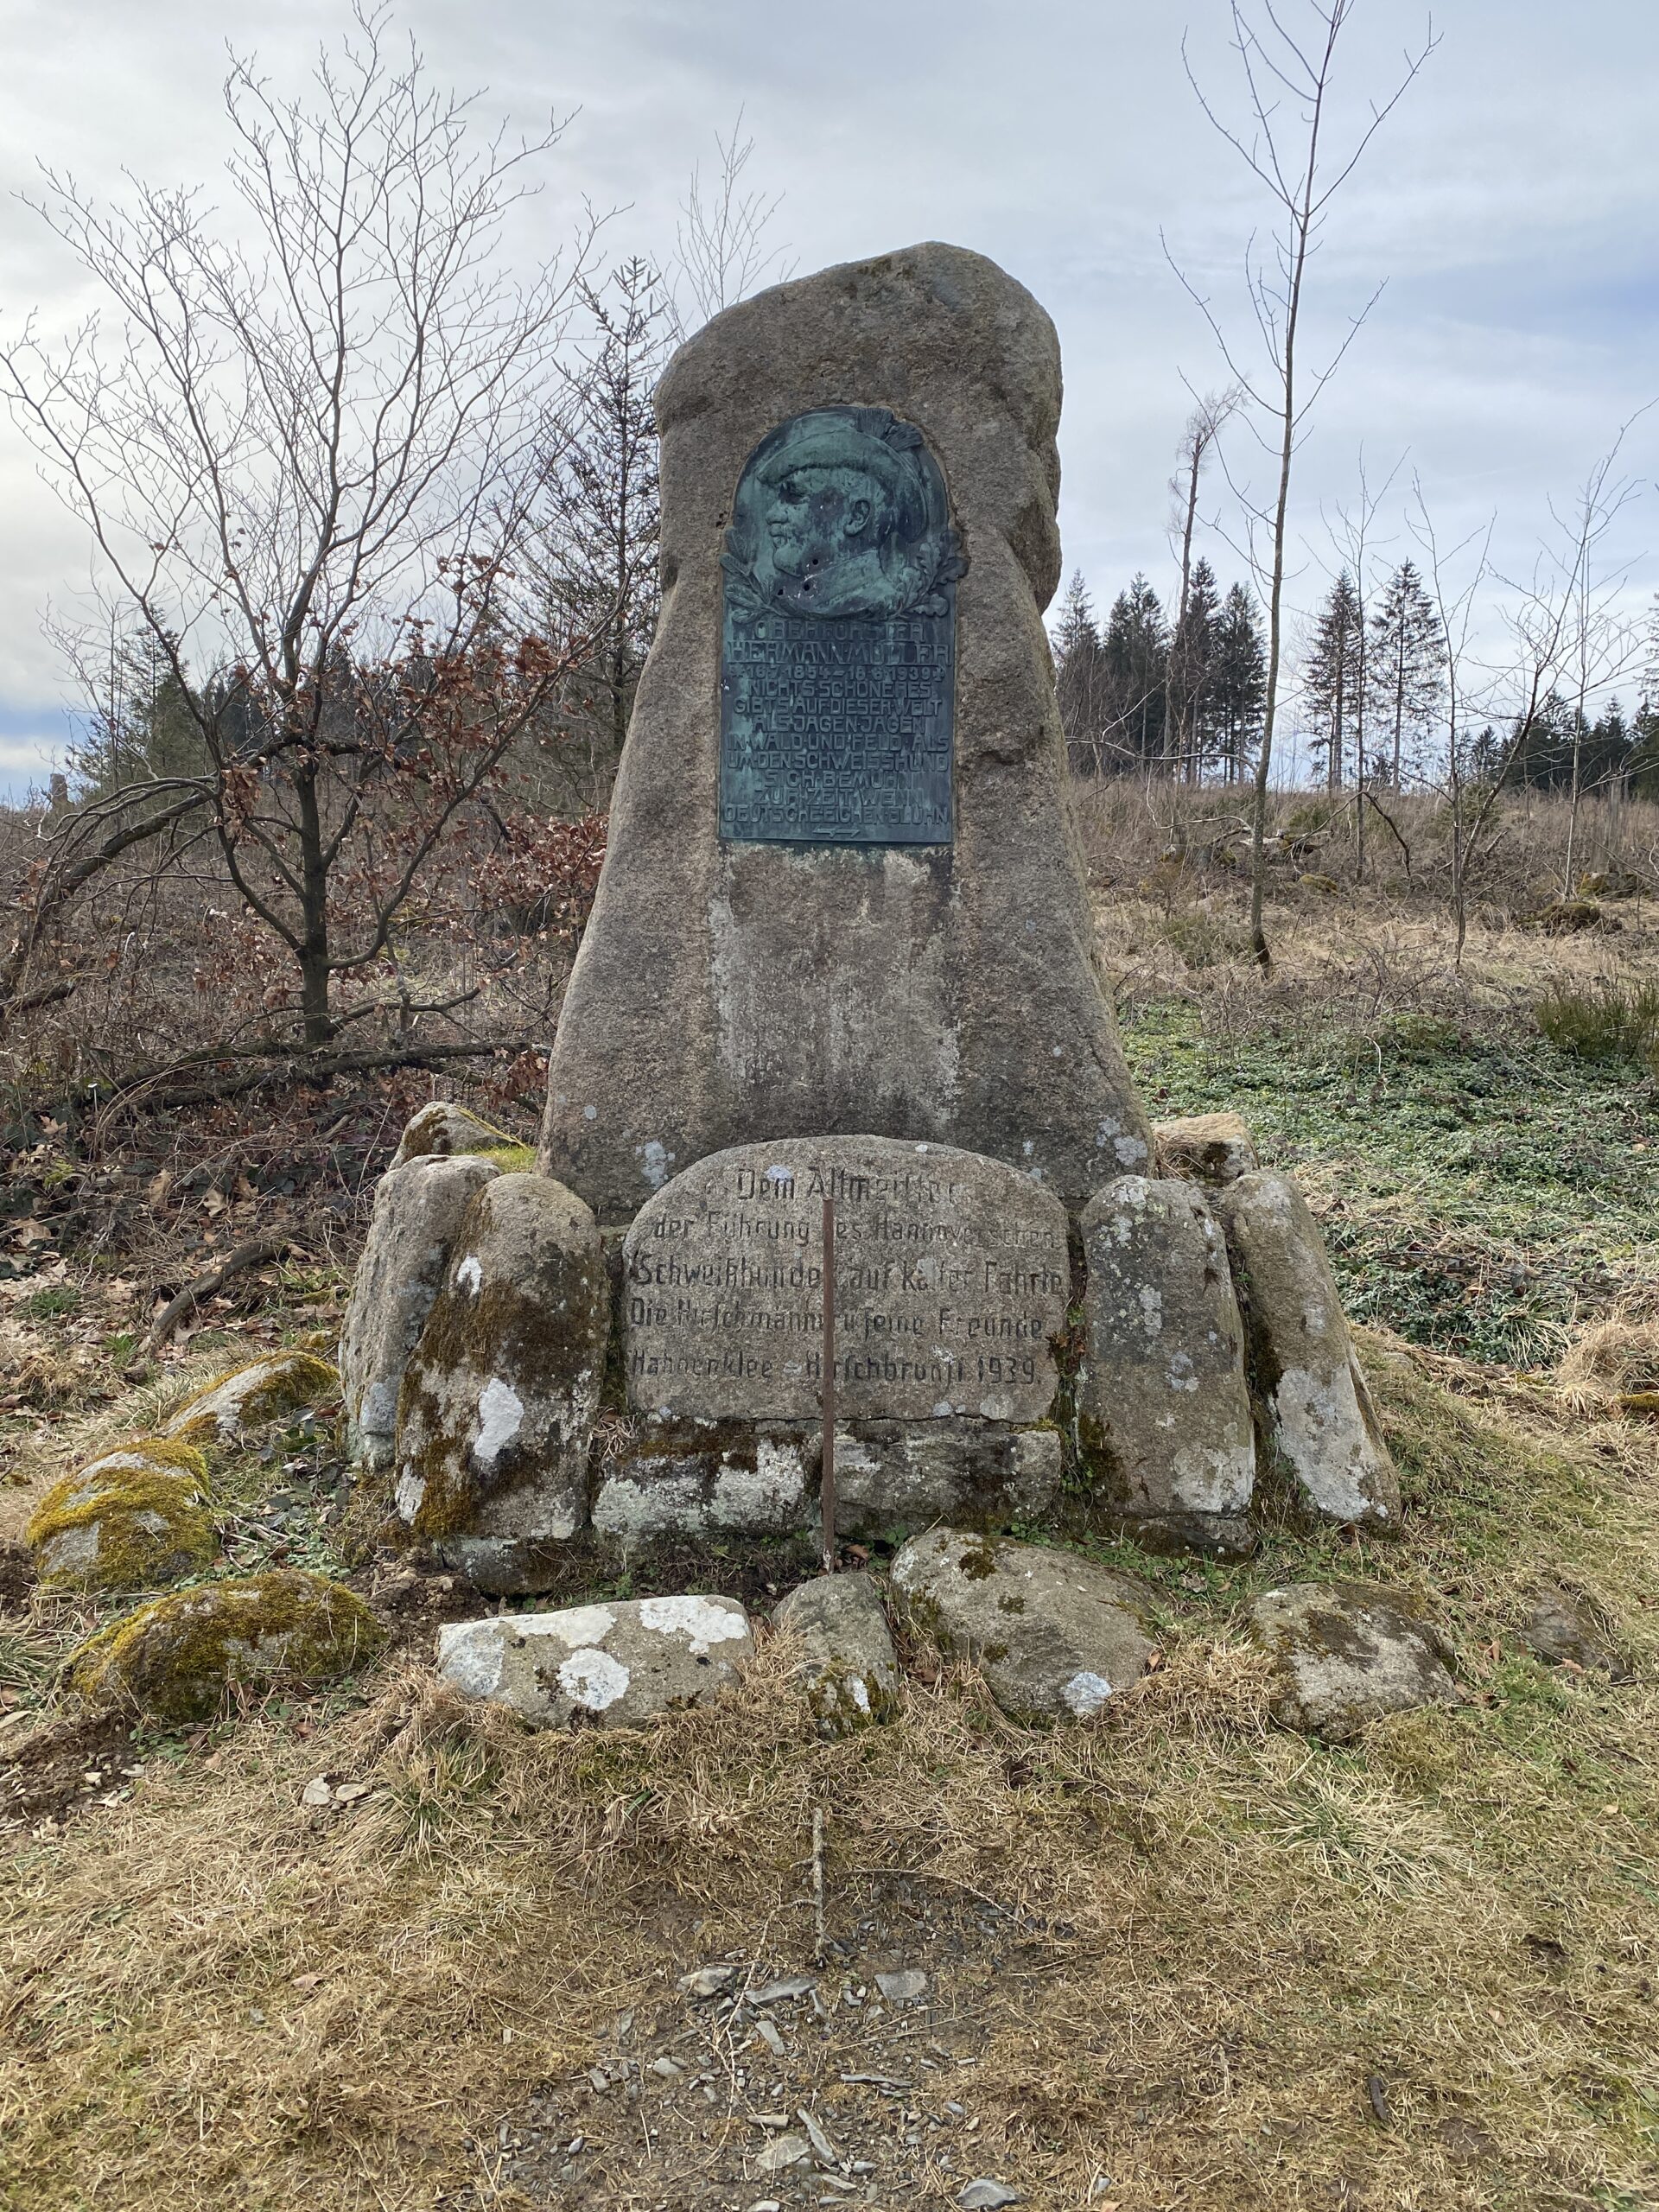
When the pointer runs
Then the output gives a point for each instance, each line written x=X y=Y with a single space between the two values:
x=842 y=893
x=418 y=1210
x=1163 y=1411
x=498 y=1403
x=1320 y=1421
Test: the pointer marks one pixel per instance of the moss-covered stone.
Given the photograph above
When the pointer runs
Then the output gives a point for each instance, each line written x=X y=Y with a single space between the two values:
x=133 y=1518
x=442 y=1129
x=263 y=1390
x=176 y=1658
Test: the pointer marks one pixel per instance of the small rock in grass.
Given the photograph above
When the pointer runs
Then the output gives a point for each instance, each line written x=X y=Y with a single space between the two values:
x=498 y=1397
x=783 y=2150
x=907 y=1986
x=417 y=1216
x=985 y=2195
x=225 y=1408
x=707 y=1981
x=134 y=1518
x=1320 y=1419
x=1055 y=1636
x=611 y=1665
x=852 y=1675
x=443 y=1129
x=1212 y=1148
x=1346 y=1654
x=177 y=1657
x=1563 y=1630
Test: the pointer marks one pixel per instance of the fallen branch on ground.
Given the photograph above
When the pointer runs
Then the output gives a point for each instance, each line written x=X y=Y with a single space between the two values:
x=253 y=1254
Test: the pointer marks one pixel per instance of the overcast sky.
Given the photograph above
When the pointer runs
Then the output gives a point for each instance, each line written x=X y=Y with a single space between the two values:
x=1509 y=205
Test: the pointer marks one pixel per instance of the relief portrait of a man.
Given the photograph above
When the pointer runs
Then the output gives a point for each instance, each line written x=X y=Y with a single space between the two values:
x=840 y=514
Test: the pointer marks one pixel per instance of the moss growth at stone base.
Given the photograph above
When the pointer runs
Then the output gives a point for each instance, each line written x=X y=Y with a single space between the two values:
x=133 y=1526
x=176 y=1658
x=168 y=1451
x=512 y=1158
x=260 y=1391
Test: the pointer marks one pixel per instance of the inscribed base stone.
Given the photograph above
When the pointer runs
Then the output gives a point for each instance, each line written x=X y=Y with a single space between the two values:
x=952 y=1278
x=732 y=987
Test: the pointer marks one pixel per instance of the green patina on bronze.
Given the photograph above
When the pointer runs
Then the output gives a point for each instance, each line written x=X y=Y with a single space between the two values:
x=838 y=644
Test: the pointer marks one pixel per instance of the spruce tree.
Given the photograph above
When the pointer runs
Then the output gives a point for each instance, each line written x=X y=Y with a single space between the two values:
x=1191 y=651
x=1405 y=674
x=1331 y=679
x=1238 y=686
x=1078 y=674
x=1136 y=669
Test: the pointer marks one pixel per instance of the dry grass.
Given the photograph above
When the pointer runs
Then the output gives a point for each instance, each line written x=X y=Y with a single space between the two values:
x=218 y=1998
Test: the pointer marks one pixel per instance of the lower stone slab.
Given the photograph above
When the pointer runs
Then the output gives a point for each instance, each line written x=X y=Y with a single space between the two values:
x=690 y=1479
x=894 y=1477
x=737 y=1480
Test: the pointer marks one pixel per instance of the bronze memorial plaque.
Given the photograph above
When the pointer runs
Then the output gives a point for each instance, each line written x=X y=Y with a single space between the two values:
x=838 y=645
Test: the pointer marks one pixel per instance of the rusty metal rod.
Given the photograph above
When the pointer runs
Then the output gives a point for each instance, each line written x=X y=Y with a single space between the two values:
x=827 y=1477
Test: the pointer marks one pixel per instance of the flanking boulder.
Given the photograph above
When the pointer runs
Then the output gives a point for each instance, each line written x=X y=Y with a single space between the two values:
x=1054 y=1635
x=134 y=1518
x=176 y=1658
x=852 y=1674
x=418 y=1210
x=606 y=1666
x=1346 y=1654
x=496 y=1408
x=444 y=1131
x=736 y=1480
x=1212 y=1148
x=904 y=1476
x=1165 y=1430
x=1320 y=1423
x=222 y=1411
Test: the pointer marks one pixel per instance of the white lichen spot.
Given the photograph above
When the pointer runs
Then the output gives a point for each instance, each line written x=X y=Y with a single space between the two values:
x=575 y=1625
x=1152 y=1309
x=1130 y=1151
x=703 y=1621
x=1181 y=1376
x=500 y=1416
x=594 y=1680
x=859 y=1694
x=469 y=1275
x=1085 y=1694
x=411 y=1489
x=657 y=1161
x=941 y=1409
x=1105 y=1129
x=470 y=1656
x=590 y=1113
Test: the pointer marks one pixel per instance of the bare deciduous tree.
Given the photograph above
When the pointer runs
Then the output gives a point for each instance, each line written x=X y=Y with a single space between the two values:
x=722 y=236
x=1285 y=69
x=306 y=456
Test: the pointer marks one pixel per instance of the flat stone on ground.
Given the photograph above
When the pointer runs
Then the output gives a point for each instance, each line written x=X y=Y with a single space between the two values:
x=1346 y=1654
x=1563 y=1630
x=611 y=1666
x=1055 y=1635
x=852 y=1674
